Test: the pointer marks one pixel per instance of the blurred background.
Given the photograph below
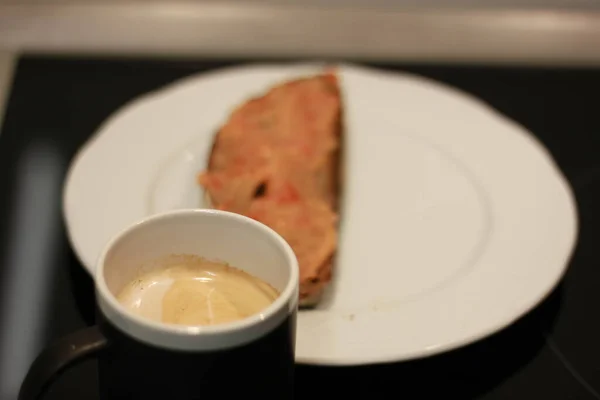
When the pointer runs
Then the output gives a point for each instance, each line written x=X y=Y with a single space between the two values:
x=499 y=31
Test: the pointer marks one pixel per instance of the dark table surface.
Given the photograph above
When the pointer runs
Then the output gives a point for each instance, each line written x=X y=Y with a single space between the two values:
x=57 y=103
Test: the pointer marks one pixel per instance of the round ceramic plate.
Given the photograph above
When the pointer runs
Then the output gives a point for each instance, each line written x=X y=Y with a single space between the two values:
x=454 y=220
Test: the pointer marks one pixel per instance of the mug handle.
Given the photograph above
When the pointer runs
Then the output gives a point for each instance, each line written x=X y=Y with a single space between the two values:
x=54 y=360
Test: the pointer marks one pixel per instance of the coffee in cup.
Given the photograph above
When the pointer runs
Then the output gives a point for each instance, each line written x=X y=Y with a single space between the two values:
x=192 y=290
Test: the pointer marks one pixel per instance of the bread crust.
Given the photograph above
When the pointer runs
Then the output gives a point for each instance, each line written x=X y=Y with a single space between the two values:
x=312 y=291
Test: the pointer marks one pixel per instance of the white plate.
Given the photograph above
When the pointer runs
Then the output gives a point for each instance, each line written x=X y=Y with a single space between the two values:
x=455 y=222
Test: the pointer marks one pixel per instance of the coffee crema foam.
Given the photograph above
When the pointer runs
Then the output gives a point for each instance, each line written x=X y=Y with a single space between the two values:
x=197 y=292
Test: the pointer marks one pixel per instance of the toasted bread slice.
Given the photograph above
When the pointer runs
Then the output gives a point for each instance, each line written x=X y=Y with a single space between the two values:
x=277 y=160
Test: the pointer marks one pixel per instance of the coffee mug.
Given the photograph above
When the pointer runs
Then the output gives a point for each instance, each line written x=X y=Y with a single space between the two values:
x=141 y=358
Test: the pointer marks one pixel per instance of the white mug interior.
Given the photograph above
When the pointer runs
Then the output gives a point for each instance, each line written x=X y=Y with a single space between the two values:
x=214 y=235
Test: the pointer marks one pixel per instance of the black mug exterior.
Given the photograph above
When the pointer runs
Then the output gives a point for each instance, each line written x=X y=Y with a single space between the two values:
x=130 y=369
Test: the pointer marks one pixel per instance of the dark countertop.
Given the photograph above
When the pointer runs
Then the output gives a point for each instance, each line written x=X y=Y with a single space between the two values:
x=57 y=103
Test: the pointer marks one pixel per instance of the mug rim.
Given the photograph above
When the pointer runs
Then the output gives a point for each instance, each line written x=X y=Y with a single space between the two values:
x=290 y=292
